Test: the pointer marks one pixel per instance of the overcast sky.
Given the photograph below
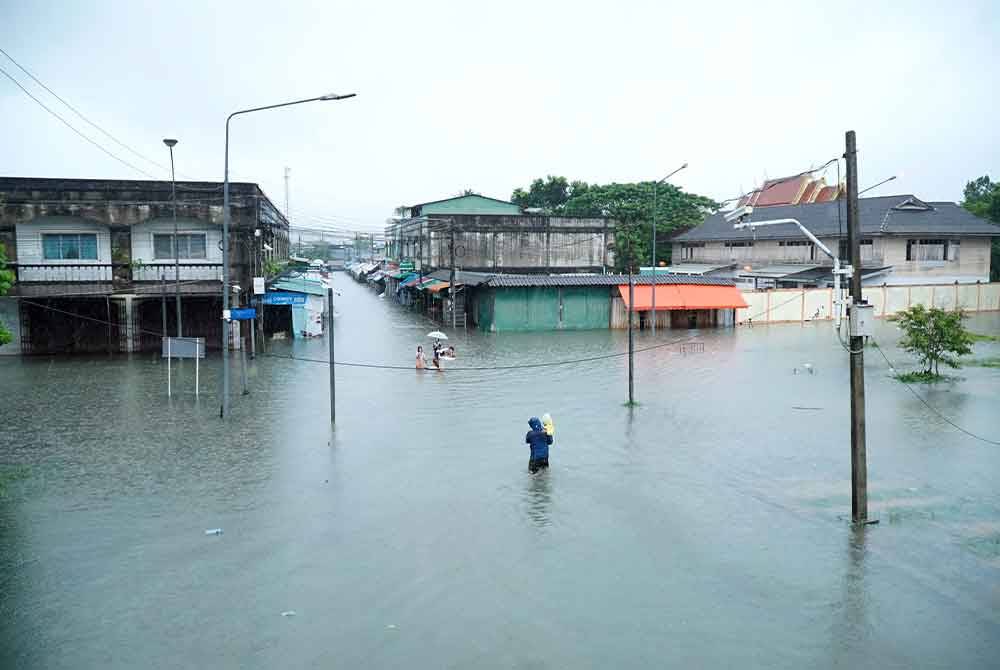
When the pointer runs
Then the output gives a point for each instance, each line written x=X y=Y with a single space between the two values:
x=490 y=95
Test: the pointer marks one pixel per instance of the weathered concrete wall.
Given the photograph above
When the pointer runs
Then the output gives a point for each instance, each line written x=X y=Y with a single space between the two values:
x=797 y=305
x=507 y=243
x=114 y=207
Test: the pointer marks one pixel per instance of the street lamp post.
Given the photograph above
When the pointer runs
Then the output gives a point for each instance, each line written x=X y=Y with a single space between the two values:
x=177 y=263
x=225 y=239
x=655 y=186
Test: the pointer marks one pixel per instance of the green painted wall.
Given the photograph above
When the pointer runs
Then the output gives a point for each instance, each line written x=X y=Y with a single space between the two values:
x=537 y=308
x=586 y=307
x=470 y=204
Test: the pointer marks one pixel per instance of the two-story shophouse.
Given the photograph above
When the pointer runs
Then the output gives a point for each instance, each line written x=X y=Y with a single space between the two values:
x=99 y=268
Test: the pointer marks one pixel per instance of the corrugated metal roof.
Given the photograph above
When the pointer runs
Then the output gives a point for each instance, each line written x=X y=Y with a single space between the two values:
x=299 y=285
x=878 y=217
x=515 y=281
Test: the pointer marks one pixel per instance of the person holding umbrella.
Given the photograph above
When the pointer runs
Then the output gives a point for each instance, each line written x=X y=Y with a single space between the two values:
x=438 y=336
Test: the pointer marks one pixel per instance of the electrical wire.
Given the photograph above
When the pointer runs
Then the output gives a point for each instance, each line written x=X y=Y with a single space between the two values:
x=80 y=114
x=933 y=409
x=73 y=128
x=545 y=364
x=380 y=366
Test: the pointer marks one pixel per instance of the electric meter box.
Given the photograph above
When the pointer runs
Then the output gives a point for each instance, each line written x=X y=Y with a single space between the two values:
x=862 y=320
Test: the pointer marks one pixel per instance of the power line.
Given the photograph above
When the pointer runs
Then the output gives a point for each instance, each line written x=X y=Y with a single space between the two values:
x=79 y=114
x=73 y=128
x=381 y=366
x=928 y=405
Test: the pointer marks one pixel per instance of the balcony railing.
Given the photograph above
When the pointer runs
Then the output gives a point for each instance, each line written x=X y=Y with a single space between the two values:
x=117 y=273
x=63 y=272
x=188 y=272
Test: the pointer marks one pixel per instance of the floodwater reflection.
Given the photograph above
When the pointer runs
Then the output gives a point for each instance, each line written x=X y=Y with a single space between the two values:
x=538 y=498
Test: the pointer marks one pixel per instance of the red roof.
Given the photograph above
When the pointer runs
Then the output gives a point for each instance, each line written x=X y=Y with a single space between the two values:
x=783 y=191
x=811 y=189
x=827 y=193
x=683 y=296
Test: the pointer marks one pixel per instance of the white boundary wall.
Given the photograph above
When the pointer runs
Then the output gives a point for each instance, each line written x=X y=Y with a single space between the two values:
x=797 y=305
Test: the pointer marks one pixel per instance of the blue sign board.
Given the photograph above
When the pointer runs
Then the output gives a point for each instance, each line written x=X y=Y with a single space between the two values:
x=243 y=314
x=277 y=298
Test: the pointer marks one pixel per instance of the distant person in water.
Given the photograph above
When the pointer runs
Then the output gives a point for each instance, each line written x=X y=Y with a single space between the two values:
x=437 y=359
x=421 y=358
x=539 y=441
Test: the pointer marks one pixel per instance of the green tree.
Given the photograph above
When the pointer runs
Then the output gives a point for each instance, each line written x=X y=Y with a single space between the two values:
x=675 y=211
x=6 y=281
x=982 y=198
x=935 y=336
x=548 y=194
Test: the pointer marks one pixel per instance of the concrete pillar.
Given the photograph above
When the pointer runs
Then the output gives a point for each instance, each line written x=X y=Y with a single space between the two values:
x=130 y=325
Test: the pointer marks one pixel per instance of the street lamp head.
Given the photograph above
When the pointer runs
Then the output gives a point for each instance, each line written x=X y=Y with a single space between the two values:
x=170 y=143
x=337 y=96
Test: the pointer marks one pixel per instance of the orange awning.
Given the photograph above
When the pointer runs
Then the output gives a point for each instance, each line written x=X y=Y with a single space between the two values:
x=683 y=296
x=437 y=287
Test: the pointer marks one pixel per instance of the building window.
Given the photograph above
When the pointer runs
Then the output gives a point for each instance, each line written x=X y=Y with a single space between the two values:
x=867 y=250
x=739 y=244
x=189 y=246
x=932 y=250
x=688 y=249
x=69 y=246
x=798 y=254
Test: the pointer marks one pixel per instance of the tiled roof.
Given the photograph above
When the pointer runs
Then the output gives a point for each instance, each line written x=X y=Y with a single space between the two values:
x=878 y=217
x=827 y=194
x=780 y=191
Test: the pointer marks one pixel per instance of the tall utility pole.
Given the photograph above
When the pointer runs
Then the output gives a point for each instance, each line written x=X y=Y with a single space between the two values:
x=451 y=284
x=628 y=314
x=288 y=214
x=859 y=457
x=177 y=244
x=333 y=377
x=656 y=185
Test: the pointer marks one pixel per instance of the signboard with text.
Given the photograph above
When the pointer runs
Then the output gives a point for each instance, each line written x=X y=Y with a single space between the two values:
x=243 y=314
x=280 y=298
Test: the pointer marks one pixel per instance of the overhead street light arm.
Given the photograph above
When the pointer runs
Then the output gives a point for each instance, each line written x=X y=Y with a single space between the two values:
x=837 y=269
x=224 y=411
x=775 y=222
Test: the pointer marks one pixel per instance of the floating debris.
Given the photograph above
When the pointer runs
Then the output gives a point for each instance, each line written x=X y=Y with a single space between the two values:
x=288 y=613
x=213 y=531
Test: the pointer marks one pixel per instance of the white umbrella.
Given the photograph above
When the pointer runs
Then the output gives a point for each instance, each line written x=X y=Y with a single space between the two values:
x=437 y=335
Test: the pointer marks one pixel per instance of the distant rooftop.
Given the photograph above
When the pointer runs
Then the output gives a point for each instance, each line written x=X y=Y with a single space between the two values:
x=883 y=215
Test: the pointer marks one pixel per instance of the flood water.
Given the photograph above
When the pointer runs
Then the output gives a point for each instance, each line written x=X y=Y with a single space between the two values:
x=707 y=527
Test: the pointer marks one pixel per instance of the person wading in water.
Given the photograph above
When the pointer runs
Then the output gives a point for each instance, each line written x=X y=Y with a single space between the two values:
x=539 y=441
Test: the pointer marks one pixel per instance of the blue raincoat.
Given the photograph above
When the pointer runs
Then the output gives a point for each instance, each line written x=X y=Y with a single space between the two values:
x=538 y=439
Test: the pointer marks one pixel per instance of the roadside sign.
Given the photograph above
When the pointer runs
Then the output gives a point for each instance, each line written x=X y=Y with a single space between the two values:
x=279 y=298
x=258 y=285
x=243 y=314
x=183 y=347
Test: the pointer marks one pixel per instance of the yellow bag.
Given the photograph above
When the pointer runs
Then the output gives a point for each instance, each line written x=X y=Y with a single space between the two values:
x=548 y=425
